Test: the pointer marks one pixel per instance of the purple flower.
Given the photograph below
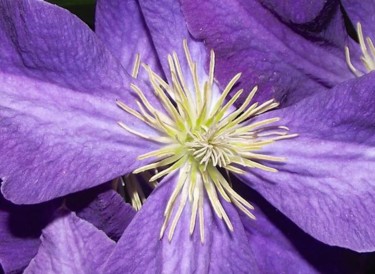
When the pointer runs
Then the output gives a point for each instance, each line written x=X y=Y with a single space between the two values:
x=58 y=121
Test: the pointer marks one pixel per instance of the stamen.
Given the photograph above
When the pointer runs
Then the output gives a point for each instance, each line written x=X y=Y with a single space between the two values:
x=211 y=71
x=177 y=216
x=194 y=210
x=160 y=153
x=134 y=191
x=368 y=54
x=199 y=136
x=226 y=91
x=150 y=138
x=164 y=162
x=136 y=65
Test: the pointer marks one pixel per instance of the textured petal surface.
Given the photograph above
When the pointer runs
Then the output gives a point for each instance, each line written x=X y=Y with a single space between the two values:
x=279 y=245
x=121 y=26
x=327 y=184
x=287 y=62
x=20 y=229
x=168 y=29
x=71 y=245
x=58 y=115
x=104 y=208
x=300 y=11
x=140 y=250
x=45 y=42
x=363 y=12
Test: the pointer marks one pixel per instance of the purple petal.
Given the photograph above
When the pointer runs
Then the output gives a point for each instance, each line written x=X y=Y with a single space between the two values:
x=140 y=250
x=20 y=229
x=362 y=12
x=55 y=135
x=326 y=185
x=125 y=30
x=104 y=208
x=301 y=11
x=278 y=244
x=121 y=26
x=71 y=245
x=47 y=43
x=168 y=29
x=286 y=63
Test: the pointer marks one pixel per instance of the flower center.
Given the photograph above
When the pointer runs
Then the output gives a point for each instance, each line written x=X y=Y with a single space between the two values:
x=208 y=147
x=200 y=138
x=368 y=54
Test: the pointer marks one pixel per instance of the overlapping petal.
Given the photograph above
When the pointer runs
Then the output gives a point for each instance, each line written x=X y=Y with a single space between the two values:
x=167 y=27
x=121 y=26
x=104 y=208
x=20 y=229
x=301 y=11
x=328 y=174
x=56 y=48
x=285 y=62
x=71 y=245
x=278 y=244
x=363 y=12
x=58 y=113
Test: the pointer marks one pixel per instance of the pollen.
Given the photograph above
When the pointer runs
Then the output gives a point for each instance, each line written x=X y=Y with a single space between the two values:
x=368 y=54
x=202 y=139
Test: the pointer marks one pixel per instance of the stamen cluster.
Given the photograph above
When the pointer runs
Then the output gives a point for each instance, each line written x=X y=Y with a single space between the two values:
x=368 y=53
x=201 y=138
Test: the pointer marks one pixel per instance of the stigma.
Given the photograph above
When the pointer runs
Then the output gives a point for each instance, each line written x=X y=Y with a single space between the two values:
x=203 y=138
x=368 y=54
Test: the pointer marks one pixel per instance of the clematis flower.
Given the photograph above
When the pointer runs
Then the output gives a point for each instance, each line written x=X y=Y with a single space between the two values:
x=312 y=195
x=59 y=86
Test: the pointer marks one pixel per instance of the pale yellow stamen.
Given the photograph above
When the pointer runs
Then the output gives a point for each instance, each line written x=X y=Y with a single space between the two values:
x=136 y=65
x=151 y=138
x=368 y=54
x=198 y=136
x=131 y=187
x=135 y=191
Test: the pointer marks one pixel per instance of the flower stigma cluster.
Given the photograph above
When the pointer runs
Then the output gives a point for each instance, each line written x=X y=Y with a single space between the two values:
x=368 y=53
x=202 y=138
